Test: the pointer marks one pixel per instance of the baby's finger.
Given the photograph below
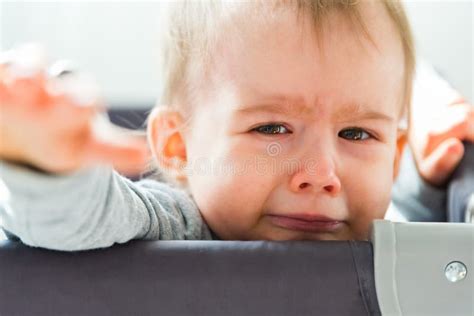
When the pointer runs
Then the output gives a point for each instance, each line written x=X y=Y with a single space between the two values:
x=4 y=95
x=470 y=127
x=81 y=88
x=23 y=100
x=29 y=93
x=67 y=114
x=23 y=67
x=439 y=165
x=76 y=99
x=129 y=158
x=456 y=122
x=462 y=122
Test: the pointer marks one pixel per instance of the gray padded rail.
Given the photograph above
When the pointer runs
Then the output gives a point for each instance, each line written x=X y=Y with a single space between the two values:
x=424 y=268
x=190 y=278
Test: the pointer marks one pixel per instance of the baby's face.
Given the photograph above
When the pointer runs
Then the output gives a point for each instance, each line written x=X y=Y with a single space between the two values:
x=295 y=140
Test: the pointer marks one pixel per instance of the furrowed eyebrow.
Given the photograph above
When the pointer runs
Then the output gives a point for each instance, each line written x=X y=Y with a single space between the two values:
x=275 y=108
x=358 y=112
x=278 y=104
x=295 y=106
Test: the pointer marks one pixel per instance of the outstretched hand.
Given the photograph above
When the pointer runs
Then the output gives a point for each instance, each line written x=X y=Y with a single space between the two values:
x=44 y=125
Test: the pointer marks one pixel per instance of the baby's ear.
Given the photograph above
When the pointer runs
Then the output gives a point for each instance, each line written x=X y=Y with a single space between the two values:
x=167 y=141
x=401 y=142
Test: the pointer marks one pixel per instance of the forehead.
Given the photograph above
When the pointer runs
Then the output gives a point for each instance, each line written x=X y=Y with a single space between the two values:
x=338 y=65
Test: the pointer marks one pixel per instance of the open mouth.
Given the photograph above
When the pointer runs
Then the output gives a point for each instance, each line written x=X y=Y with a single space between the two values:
x=307 y=223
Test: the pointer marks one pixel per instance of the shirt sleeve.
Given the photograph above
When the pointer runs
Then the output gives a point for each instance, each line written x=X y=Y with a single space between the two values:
x=93 y=208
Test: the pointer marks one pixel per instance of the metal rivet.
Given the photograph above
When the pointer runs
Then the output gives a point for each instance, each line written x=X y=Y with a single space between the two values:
x=455 y=271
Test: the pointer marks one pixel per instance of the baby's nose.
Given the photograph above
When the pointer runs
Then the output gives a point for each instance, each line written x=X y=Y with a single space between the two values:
x=316 y=175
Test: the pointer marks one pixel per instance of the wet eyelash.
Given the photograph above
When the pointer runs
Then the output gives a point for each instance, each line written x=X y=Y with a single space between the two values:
x=354 y=134
x=272 y=129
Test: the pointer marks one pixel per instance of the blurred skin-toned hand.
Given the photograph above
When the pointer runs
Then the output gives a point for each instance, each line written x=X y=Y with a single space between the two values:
x=52 y=132
x=437 y=139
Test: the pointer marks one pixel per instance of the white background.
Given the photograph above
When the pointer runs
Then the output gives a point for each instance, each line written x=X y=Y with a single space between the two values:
x=116 y=41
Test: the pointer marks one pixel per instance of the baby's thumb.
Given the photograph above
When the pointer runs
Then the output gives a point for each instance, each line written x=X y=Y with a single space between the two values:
x=440 y=164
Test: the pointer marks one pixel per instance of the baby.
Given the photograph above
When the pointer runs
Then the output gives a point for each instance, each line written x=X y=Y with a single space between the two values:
x=280 y=119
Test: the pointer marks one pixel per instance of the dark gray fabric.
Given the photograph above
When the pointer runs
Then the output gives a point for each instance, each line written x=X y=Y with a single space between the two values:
x=190 y=278
x=9 y=235
x=129 y=118
x=364 y=264
x=461 y=186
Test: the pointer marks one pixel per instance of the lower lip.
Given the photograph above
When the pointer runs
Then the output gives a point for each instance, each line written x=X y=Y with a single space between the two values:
x=305 y=225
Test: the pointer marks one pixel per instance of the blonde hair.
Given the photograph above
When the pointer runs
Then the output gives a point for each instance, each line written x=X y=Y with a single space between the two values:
x=192 y=31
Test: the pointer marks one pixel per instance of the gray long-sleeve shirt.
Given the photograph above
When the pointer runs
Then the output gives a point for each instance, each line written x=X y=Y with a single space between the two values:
x=93 y=208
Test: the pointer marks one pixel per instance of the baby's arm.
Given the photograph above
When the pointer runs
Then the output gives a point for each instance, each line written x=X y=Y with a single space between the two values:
x=53 y=194
x=93 y=208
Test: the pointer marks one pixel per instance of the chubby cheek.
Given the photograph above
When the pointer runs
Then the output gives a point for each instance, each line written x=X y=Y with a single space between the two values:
x=230 y=197
x=368 y=193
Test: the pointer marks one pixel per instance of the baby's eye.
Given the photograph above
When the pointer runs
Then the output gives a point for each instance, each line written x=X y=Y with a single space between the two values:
x=354 y=134
x=270 y=129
